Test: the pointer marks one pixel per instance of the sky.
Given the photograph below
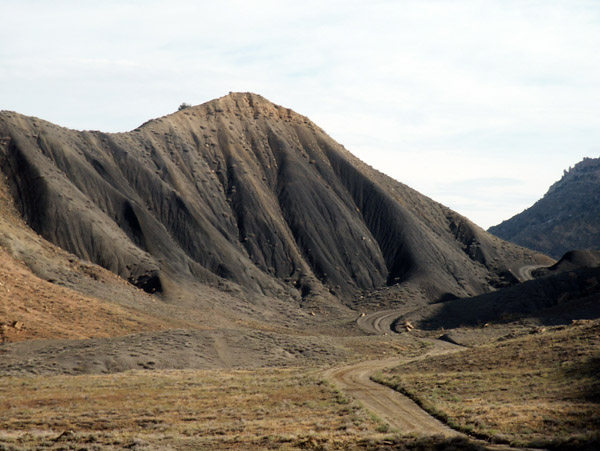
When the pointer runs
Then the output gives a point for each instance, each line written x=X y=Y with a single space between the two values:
x=478 y=104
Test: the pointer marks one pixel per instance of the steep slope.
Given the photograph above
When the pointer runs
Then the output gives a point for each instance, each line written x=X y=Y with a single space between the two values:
x=555 y=299
x=34 y=308
x=566 y=218
x=239 y=192
x=566 y=291
x=64 y=297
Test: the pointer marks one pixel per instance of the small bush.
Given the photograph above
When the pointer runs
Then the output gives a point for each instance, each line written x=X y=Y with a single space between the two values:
x=383 y=428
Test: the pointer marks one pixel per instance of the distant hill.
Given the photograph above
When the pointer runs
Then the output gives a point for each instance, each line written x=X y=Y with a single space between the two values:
x=245 y=196
x=566 y=218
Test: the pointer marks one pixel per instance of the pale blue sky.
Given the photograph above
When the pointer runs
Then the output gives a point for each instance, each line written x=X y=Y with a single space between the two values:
x=477 y=104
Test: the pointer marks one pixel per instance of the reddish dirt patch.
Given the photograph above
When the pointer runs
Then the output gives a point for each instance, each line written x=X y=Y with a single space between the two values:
x=34 y=308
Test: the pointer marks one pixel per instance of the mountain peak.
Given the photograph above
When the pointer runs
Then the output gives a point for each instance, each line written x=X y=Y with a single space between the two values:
x=245 y=107
x=248 y=103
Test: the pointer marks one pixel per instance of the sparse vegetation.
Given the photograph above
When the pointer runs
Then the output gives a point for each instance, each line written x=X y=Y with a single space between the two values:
x=240 y=408
x=538 y=390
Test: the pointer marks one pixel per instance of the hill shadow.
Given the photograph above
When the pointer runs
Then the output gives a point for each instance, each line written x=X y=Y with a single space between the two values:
x=553 y=300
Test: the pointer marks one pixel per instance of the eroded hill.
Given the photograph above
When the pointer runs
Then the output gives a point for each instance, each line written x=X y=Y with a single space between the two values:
x=241 y=194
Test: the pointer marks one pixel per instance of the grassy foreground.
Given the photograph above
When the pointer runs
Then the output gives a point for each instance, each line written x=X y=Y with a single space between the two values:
x=540 y=390
x=171 y=408
x=233 y=409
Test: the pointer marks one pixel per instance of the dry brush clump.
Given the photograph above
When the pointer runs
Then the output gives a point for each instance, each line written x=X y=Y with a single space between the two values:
x=538 y=390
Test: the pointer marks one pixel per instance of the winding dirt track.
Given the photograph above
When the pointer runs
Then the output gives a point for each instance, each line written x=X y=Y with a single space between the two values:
x=391 y=406
x=379 y=322
x=525 y=272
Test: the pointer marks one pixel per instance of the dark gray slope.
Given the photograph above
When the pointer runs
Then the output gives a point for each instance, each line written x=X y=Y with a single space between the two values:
x=239 y=190
x=572 y=260
x=569 y=290
x=566 y=218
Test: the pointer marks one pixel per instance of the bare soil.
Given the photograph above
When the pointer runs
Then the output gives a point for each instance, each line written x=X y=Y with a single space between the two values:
x=398 y=411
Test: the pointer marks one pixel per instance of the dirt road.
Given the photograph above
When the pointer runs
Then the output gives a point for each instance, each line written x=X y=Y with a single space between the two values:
x=391 y=406
x=525 y=272
x=395 y=409
x=380 y=322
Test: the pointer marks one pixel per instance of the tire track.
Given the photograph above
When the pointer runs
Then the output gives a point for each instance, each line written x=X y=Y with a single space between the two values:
x=394 y=408
x=525 y=272
x=380 y=322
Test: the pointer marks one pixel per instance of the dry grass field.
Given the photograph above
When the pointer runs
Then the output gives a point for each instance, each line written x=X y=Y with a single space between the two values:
x=237 y=409
x=540 y=390
x=164 y=409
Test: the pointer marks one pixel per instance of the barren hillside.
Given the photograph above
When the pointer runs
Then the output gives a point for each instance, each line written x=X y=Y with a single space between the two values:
x=239 y=192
